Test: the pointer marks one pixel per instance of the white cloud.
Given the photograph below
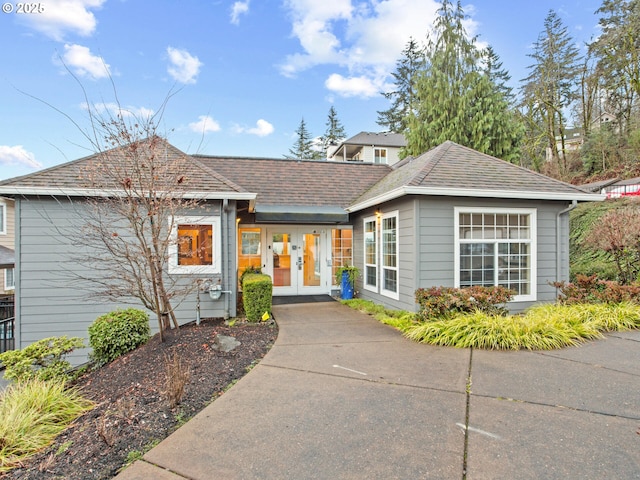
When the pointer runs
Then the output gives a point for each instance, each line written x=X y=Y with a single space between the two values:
x=60 y=17
x=262 y=129
x=205 y=124
x=139 y=113
x=365 y=39
x=84 y=63
x=352 y=86
x=237 y=9
x=184 y=67
x=17 y=155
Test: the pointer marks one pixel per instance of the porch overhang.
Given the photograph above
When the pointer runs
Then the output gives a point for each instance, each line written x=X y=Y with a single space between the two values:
x=307 y=214
x=7 y=257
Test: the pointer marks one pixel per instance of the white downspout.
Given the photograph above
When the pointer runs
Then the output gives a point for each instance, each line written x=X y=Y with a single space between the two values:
x=573 y=205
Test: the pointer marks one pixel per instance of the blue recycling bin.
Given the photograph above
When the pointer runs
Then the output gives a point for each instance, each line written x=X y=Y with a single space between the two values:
x=346 y=287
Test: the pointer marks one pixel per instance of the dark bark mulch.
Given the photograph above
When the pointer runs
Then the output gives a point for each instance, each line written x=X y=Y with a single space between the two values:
x=133 y=411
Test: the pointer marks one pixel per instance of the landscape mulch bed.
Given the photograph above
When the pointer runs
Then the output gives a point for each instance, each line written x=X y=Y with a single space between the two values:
x=132 y=410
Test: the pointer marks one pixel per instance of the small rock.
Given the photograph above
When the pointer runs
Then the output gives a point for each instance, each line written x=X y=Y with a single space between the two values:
x=225 y=344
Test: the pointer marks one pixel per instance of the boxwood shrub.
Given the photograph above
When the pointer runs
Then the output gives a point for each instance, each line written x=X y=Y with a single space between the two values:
x=117 y=333
x=257 y=290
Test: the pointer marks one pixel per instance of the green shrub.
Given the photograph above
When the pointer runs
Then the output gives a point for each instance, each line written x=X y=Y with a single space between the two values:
x=442 y=302
x=117 y=333
x=257 y=290
x=399 y=319
x=32 y=414
x=42 y=359
x=589 y=289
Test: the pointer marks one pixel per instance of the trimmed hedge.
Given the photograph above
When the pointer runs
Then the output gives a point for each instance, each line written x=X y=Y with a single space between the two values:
x=257 y=290
x=117 y=333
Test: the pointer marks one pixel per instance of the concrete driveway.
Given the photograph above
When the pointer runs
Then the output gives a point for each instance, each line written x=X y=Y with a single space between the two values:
x=341 y=396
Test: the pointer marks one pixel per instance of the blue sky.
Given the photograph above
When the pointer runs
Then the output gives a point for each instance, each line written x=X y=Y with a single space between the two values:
x=242 y=73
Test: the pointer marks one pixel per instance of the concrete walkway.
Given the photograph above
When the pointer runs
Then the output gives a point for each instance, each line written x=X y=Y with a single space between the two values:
x=341 y=396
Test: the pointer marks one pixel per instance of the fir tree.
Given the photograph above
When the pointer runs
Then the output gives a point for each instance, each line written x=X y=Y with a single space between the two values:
x=303 y=148
x=335 y=132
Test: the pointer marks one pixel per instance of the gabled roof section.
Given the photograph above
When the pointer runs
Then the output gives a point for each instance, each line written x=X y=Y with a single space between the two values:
x=453 y=170
x=78 y=177
x=298 y=183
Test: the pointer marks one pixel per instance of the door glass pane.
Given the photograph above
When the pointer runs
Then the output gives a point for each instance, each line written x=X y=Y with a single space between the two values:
x=281 y=245
x=311 y=260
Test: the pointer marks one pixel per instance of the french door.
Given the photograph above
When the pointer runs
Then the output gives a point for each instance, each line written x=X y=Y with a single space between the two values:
x=297 y=260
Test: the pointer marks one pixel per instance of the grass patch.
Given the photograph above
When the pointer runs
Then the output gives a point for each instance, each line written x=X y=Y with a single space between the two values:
x=32 y=414
x=543 y=327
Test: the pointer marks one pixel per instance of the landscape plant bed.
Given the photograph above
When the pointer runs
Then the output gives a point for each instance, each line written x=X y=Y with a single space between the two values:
x=132 y=411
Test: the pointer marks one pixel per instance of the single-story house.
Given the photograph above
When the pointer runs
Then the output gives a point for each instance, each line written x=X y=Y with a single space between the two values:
x=451 y=217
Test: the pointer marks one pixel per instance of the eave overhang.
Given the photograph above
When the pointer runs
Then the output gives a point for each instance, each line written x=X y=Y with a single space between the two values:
x=472 y=192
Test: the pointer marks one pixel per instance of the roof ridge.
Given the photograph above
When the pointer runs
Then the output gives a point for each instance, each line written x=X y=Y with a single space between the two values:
x=436 y=155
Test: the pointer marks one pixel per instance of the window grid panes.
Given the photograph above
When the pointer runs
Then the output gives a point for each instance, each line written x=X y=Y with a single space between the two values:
x=341 y=249
x=495 y=249
x=389 y=254
x=370 y=254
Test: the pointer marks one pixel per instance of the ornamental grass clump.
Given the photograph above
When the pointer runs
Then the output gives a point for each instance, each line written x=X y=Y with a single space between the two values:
x=32 y=414
x=543 y=327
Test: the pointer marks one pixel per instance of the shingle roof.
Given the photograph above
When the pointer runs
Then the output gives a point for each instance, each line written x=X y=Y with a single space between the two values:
x=382 y=139
x=304 y=182
x=451 y=169
x=77 y=177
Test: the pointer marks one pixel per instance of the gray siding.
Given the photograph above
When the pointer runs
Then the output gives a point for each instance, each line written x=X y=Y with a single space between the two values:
x=51 y=302
x=427 y=245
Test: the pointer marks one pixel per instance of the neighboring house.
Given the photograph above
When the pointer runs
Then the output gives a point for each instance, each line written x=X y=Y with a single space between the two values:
x=7 y=245
x=451 y=217
x=615 y=188
x=369 y=148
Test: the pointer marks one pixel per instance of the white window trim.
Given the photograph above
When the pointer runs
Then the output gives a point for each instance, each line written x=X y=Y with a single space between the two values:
x=8 y=287
x=388 y=293
x=533 y=241
x=214 y=268
x=366 y=286
x=3 y=218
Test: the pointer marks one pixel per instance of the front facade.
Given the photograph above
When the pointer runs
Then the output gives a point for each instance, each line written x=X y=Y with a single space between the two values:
x=451 y=217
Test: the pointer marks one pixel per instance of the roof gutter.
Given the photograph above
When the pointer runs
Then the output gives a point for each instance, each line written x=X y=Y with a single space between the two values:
x=90 y=192
x=478 y=193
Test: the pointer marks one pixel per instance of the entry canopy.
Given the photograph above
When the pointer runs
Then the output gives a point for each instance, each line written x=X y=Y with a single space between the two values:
x=7 y=257
x=300 y=214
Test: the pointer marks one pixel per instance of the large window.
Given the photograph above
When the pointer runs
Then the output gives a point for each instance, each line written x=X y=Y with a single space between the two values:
x=389 y=246
x=497 y=247
x=195 y=245
x=381 y=254
x=370 y=254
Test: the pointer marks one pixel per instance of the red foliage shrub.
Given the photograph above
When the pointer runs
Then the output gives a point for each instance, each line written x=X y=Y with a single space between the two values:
x=438 y=302
x=588 y=289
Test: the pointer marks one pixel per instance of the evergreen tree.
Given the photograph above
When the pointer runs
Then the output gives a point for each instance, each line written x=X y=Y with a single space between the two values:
x=618 y=54
x=457 y=97
x=303 y=148
x=403 y=99
x=335 y=132
x=551 y=85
